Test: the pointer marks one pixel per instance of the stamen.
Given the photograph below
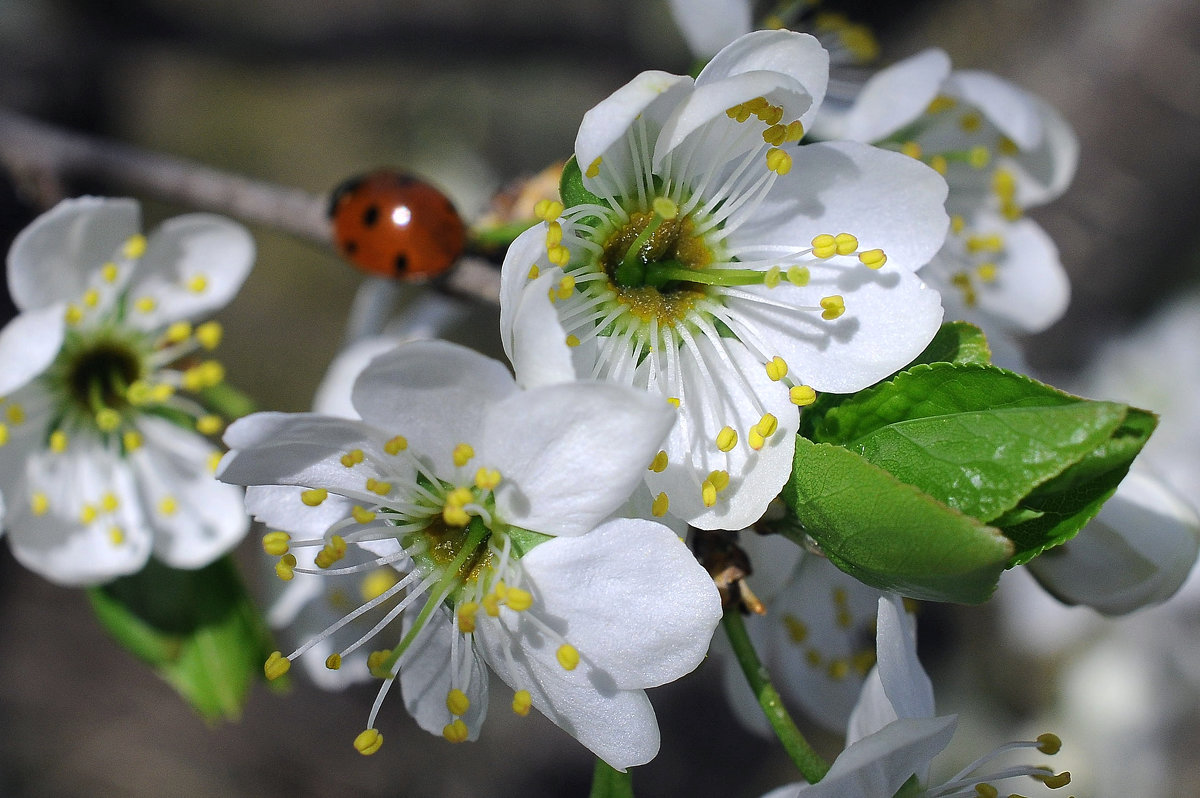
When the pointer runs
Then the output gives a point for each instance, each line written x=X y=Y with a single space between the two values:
x=314 y=496
x=521 y=702
x=368 y=742
x=659 y=463
x=567 y=656
x=276 y=543
x=659 y=508
x=276 y=666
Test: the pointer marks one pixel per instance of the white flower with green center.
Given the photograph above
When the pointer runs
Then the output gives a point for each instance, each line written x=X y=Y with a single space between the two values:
x=493 y=504
x=893 y=734
x=1002 y=150
x=725 y=269
x=100 y=461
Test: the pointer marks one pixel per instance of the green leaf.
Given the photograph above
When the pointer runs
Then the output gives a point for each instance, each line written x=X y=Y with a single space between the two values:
x=889 y=534
x=571 y=188
x=197 y=629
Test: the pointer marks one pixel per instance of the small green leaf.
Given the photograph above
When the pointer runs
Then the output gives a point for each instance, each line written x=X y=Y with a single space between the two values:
x=889 y=534
x=197 y=629
x=571 y=188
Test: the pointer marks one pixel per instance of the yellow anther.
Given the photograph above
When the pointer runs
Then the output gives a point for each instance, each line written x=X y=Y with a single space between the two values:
x=209 y=334
x=938 y=164
x=456 y=731
x=333 y=661
x=572 y=341
x=797 y=630
x=987 y=272
x=487 y=478
x=1055 y=781
x=767 y=425
x=462 y=454
x=276 y=543
x=378 y=487
x=739 y=113
x=72 y=315
x=567 y=656
x=795 y=131
x=198 y=284
x=518 y=599
x=39 y=504
x=134 y=246
x=566 y=287
x=727 y=439
x=314 y=496
x=455 y=515
x=846 y=244
x=558 y=255
x=708 y=493
x=659 y=463
x=872 y=258
x=971 y=121
x=161 y=392
x=377 y=662
x=276 y=665
x=457 y=702
x=362 y=515
x=838 y=670
x=771 y=115
x=1004 y=184
x=988 y=243
x=109 y=502
x=145 y=304
x=491 y=604
x=979 y=157
x=1007 y=146
x=377 y=582
x=521 y=702
x=214 y=459
x=665 y=207
x=58 y=441
x=107 y=419
x=1049 y=743
x=772 y=277
x=775 y=134
x=941 y=103
x=179 y=331
x=911 y=148
x=368 y=742
x=593 y=168
x=15 y=414
x=802 y=395
x=986 y=791
x=209 y=424
x=1012 y=211
x=547 y=209
x=396 y=445
x=352 y=458
x=108 y=272
x=459 y=496
x=798 y=276
x=3 y=433
x=91 y=297
x=466 y=617
x=673 y=401
x=957 y=223
x=832 y=307
x=777 y=368
x=824 y=246
x=755 y=439
x=534 y=271
x=333 y=551
x=116 y=535
x=554 y=234
x=719 y=479
x=779 y=161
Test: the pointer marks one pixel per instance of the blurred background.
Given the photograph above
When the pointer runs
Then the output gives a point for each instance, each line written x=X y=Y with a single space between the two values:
x=474 y=94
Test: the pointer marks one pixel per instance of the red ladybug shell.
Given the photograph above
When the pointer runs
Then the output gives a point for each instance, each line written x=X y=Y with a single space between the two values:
x=395 y=225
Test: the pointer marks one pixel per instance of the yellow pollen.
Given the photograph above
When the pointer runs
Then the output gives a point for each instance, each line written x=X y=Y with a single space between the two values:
x=979 y=157
x=333 y=661
x=276 y=543
x=798 y=276
x=846 y=244
x=833 y=307
x=314 y=496
x=911 y=148
x=802 y=395
x=566 y=287
x=487 y=478
x=276 y=665
x=396 y=445
x=554 y=234
x=161 y=392
x=209 y=334
x=548 y=210
x=572 y=341
x=377 y=582
x=491 y=605
x=665 y=207
x=567 y=656
x=779 y=161
x=352 y=458
x=116 y=535
x=659 y=463
x=197 y=284
x=988 y=243
x=462 y=454
x=518 y=600
x=1049 y=743
x=455 y=515
x=39 y=504
x=986 y=791
x=957 y=223
x=3 y=433
x=970 y=122
x=824 y=246
x=775 y=134
x=58 y=441
x=661 y=503
x=755 y=439
x=767 y=425
x=797 y=630
x=1004 y=184
x=773 y=276
x=209 y=425
x=332 y=552
x=938 y=164
x=459 y=496
x=593 y=168
x=673 y=401
x=838 y=670
x=378 y=487
x=719 y=479
x=179 y=331
x=368 y=742
x=145 y=304
x=872 y=258
x=107 y=419
x=987 y=272
x=457 y=702
x=456 y=732
x=91 y=297
x=1056 y=781
x=521 y=702
x=795 y=131
x=466 y=617
x=771 y=115
x=558 y=255
x=941 y=103
x=727 y=439
x=1007 y=146
x=214 y=458
x=376 y=661
x=109 y=502
x=134 y=246
x=534 y=271
x=708 y=493
x=15 y=414
x=777 y=368
x=108 y=272
x=72 y=315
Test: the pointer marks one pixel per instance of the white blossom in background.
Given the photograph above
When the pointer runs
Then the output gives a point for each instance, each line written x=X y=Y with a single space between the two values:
x=493 y=505
x=725 y=269
x=1002 y=150
x=103 y=461
x=709 y=25
x=893 y=734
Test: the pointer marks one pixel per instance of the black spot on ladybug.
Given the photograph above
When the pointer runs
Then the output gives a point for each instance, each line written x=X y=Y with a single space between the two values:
x=371 y=215
x=401 y=263
x=350 y=247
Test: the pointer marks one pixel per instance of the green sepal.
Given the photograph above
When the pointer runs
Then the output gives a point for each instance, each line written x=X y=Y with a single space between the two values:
x=225 y=400
x=607 y=782
x=197 y=629
x=889 y=534
x=524 y=541
x=571 y=188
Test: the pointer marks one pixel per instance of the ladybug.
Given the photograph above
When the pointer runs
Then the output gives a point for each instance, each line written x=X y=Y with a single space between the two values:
x=394 y=225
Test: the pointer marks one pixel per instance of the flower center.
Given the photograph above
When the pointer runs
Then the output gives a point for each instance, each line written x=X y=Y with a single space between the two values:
x=95 y=370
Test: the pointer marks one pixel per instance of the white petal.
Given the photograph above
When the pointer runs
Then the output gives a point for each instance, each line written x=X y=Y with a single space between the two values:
x=434 y=393
x=904 y=680
x=890 y=317
x=194 y=265
x=570 y=454
x=425 y=676
x=528 y=249
x=709 y=25
x=799 y=56
x=1137 y=551
x=1007 y=106
x=333 y=395
x=889 y=100
x=51 y=260
x=538 y=347
x=28 y=345
x=1045 y=172
x=208 y=517
x=774 y=559
x=631 y=597
x=280 y=507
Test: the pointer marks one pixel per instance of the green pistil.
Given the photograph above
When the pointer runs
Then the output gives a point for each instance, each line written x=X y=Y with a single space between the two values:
x=631 y=272
x=661 y=274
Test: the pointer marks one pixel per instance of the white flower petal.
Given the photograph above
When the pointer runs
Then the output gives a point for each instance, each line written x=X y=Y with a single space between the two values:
x=1045 y=172
x=425 y=675
x=333 y=395
x=570 y=454
x=709 y=25
x=51 y=260
x=28 y=345
x=774 y=559
x=904 y=680
x=889 y=100
x=1138 y=551
x=280 y=507
x=194 y=264
x=538 y=348
x=1007 y=106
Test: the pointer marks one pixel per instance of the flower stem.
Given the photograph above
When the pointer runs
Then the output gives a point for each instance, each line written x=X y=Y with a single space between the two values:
x=610 y=783
x=811 y=764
